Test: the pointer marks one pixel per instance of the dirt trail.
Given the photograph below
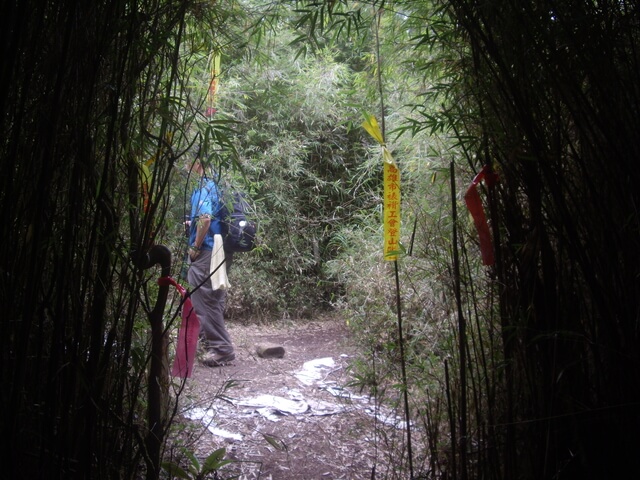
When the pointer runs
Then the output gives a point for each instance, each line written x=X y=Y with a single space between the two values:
x=282 y=421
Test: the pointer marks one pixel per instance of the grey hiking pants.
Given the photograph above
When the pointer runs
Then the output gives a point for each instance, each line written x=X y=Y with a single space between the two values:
x=209 y=305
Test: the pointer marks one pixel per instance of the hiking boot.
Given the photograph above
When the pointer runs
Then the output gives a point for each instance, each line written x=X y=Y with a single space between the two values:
x=211 y=359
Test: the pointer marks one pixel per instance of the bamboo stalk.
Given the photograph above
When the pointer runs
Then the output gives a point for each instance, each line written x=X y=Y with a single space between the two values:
x=462 y=331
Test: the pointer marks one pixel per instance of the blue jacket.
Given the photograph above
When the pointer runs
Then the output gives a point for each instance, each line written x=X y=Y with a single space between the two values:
x=205 y=200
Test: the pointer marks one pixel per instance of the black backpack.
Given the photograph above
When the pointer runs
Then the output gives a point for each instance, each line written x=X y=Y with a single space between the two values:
x=238 y=230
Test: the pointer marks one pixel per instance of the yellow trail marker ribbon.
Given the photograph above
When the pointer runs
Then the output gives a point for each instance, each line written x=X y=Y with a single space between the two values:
x=213 y=85
x=392 y=195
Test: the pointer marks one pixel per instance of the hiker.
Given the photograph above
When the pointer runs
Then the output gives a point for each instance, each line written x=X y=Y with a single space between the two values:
x=208 y=302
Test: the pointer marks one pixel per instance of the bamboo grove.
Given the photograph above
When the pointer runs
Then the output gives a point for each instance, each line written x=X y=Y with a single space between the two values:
x=92 y=94
x=526 y=368
x=555 y=111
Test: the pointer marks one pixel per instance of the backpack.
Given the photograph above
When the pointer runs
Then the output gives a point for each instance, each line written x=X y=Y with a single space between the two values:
x=238 y=231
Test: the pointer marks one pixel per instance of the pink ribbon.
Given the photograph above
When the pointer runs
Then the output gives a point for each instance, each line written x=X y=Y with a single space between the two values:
x=187 y=335
x=474 y=204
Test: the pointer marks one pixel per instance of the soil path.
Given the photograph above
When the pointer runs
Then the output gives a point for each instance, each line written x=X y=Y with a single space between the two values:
x=290 y=418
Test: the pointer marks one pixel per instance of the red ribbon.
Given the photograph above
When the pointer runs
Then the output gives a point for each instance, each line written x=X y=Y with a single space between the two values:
x=474 y=204
x=187 y=335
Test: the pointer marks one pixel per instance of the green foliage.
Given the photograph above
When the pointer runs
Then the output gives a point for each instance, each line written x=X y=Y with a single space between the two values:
x=196 y=470
x=427 y=129
x=97 y=115
x=298 y=152
x=303 y=155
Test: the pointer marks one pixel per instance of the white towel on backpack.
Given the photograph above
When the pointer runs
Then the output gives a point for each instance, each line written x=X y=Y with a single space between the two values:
x=219 y=280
